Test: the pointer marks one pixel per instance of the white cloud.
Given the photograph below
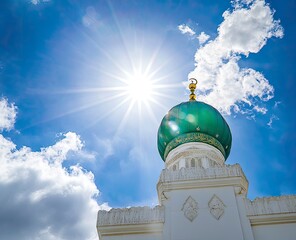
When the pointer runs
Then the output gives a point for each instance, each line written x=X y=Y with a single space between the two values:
x=271 y=120
x=129 y=164
x=40 y=198
x=222 y=82
x=104 y=147
x=91 y=18
x=202 y=38
x=276 y=104
x=262 y=110
x=277 y=166
x=35 y=2
x=85 y=155
x=186 y=29
x=7 y=116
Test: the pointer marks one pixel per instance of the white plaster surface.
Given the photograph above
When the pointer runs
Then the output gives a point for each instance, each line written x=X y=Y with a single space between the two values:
x=285 y=231
x=205 y=226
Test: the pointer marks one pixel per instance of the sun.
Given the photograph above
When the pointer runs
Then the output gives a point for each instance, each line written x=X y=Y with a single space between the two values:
x=139 y=87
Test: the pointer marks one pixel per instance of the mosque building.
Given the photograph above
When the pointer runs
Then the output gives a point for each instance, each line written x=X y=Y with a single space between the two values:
x=200 y=197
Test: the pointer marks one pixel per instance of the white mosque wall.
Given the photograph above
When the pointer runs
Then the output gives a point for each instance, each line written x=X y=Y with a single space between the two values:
x=208 y=204
x=284 y=231
x=210 y=213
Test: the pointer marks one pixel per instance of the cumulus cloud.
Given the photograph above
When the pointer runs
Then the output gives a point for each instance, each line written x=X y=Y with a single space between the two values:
x=8 y=114
x=42 y=199
x=185 y=29
x=222 y=82
x=202 y=38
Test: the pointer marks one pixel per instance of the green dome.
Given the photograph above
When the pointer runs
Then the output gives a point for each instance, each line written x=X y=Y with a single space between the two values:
x=193 y=121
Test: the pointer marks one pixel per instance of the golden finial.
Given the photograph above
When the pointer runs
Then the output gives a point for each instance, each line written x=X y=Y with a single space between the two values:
x=192 y=87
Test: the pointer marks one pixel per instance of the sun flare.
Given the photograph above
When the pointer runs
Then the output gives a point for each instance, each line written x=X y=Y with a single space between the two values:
x=140 y=87
x=137 y=86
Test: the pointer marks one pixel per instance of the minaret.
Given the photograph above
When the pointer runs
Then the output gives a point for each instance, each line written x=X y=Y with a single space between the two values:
x=202 y=197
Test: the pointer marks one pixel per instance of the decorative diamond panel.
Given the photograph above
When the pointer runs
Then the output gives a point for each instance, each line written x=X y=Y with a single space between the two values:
x=190 y=209
x=216 y=207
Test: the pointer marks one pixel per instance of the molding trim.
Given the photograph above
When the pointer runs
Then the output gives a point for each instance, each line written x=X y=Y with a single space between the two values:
x=194 y=178
x=273 y=219
x=149 y=228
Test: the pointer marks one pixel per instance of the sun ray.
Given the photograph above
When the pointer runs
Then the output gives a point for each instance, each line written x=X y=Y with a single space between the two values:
x=158 y=68
x=77 y=109
x=152 y=60
x=107 y=113
x=164 y=95
x=125 y=117
x=167 y=86
x=121 y=34
x=106 y=53
x=76 y=91
x=151 y=114
x=165 y=108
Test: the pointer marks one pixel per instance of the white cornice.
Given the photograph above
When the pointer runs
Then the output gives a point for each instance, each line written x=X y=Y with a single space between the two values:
x=113 y=230
x=193 y=178
x=281 y=218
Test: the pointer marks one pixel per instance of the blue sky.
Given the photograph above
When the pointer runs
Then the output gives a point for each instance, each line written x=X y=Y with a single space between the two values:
x=67 y=74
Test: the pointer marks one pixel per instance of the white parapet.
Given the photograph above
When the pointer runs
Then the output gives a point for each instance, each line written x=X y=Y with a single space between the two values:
x=133 y=215
x=121 y=223
x=201 y=173
x=271 y=205
x=199 y=177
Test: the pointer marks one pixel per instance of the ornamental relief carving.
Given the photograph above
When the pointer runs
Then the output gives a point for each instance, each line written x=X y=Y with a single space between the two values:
x=193 y=137
x=190 y=209
x=216 y=207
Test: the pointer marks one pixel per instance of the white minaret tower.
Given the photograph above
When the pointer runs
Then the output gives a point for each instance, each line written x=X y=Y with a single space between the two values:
x=202 y=197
